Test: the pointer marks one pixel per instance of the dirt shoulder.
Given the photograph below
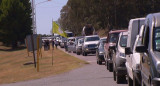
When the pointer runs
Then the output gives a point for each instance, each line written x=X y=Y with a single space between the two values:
x=13 y=68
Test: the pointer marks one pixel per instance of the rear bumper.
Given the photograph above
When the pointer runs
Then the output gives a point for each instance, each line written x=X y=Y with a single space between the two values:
x=121 y=71
x=101 y=57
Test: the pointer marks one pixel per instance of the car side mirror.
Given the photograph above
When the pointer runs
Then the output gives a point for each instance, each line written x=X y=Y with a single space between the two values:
x=128 y=51
x=141 y=49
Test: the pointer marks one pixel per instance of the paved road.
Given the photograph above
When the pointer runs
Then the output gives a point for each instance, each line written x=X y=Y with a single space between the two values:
x=89 y=75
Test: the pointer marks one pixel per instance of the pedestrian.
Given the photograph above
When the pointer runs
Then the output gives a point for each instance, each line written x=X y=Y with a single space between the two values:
x=47 y=44
x=56 y=43
x=53 y=44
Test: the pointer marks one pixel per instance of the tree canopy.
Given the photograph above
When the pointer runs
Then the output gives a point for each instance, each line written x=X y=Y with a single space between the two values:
x=15 y=21
x=104 y=14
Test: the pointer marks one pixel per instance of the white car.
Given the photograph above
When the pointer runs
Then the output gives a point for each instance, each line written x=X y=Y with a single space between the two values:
x=90 y=44
x=79 y=46
x=133 y=62
x=119 y=58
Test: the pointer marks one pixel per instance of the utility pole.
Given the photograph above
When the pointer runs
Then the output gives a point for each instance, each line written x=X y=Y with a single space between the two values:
x=33 y=17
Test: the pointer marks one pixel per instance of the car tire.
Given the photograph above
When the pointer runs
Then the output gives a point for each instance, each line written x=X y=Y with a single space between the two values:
x=82 y=53
x=106 y=65
x=100 y=62
x=135 y=82
x=114 y=75
x=78 y=53
x=130 y=81
x=85 y=54
x=118 y=79
x=142 y=83
x=110 y=67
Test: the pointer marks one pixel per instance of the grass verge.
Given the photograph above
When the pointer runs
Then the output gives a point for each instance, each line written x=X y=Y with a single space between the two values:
x=12 y=68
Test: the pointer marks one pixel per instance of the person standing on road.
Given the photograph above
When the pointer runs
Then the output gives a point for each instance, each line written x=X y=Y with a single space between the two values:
x=47 y=44
x=56 y=43
x=53 y=44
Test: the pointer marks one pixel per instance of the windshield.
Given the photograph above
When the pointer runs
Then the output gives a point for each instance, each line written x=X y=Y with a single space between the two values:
x=69 y=34
x=123 y=41
x=101 y=45
x=80 y=41
x=156 y=41
x=91 y=39
x=113 y=37
x=103 y=40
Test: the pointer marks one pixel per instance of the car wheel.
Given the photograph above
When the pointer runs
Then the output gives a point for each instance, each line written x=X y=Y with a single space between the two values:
x=106 y=65
x=78 y=53
x=114 y=75
x=142 y=83
x=82 y=53
x=135 y=82
x=118 y=79
x=130 y=81
x=100 y=62
x=85 y=54
x=110 y=67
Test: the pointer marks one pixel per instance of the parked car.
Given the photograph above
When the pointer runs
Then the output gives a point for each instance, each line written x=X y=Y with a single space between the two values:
x=76 y=43
x=90 y=44
x=119 y=60
x=150 y=51
x=110 y=46
x=79 y=46
x=71 y=44
x=62 y=41
x=100 y=51
x=133 y=31
x=134 y=59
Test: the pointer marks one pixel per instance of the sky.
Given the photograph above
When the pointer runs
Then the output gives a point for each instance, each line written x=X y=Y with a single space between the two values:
x=46 y=12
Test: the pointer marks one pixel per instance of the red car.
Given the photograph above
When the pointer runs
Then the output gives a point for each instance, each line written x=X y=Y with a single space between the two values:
x=109 y=47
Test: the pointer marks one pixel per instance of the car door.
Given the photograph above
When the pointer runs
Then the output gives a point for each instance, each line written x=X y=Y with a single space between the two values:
x=106 y=47
x=145 y=62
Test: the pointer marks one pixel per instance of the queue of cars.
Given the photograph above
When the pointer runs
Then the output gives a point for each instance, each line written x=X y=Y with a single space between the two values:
x=132 y=54
x=135 y=53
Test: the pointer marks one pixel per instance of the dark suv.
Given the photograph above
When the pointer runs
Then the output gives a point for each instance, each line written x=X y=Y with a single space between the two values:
x=109 y=48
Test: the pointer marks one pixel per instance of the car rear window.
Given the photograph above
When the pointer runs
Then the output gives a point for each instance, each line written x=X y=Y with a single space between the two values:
x=92 y=39
x=123 y=41
x=113 y=37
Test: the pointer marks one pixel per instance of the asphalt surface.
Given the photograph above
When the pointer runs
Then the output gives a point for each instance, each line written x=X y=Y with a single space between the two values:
x=89 y=75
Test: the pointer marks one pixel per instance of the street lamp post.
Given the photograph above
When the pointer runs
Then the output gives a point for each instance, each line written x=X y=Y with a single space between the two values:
x=33 y=17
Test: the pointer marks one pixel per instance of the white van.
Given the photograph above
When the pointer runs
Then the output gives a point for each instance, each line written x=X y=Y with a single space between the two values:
x=133 y=31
